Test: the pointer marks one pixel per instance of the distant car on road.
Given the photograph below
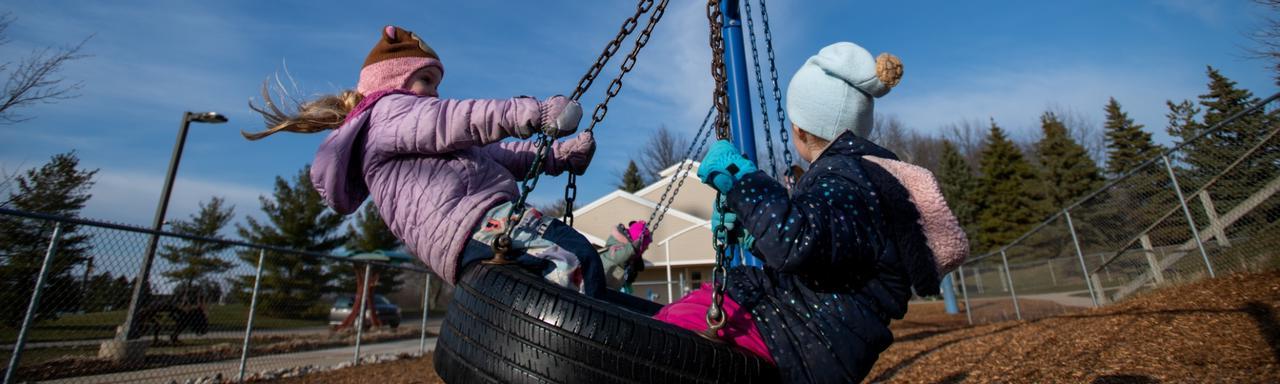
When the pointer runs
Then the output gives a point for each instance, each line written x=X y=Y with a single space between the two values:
x=387 y=312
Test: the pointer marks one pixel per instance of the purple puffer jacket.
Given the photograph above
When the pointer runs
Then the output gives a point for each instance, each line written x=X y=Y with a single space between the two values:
x=435 y=166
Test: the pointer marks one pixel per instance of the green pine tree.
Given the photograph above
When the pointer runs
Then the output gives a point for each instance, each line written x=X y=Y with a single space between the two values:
x=1066 y=170
x=632 y=181
x=1127 y=144
x=960 y=188
x=1009 y=196
x=1235 y=137
x=370 y=233
x=297 y=218
x=61 y=188
x=195 y=262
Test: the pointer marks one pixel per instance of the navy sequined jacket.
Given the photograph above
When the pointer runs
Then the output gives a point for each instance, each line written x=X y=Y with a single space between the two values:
x=834 y=274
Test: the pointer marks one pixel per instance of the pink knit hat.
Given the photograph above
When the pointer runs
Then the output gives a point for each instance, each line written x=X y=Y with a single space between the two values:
x=397 y=55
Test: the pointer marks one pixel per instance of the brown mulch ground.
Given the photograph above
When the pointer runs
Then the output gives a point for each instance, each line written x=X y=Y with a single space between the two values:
x=1222 y=330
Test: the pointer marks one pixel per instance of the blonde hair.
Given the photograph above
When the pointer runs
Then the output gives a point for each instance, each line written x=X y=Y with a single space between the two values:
x=321 y=114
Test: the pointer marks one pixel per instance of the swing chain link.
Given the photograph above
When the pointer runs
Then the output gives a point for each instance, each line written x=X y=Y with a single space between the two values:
x=602 y=109
x=764 y=112
x=783 y=130
x=720 y=96
x=719 y=275
x=628 y=26
x=696 y=146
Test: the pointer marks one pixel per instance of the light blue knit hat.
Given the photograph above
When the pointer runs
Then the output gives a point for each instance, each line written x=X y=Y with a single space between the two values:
x=834 y=90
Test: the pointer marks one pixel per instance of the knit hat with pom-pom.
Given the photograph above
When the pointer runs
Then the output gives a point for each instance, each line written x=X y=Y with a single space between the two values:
x=834 y=91
x=397 y=55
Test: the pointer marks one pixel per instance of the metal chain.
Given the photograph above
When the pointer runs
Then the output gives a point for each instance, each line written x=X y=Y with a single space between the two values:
x=784 y=131
x=628 y=26
x=699 y=142
x=602 y=109
x=502 y=244
x=764 y=111
x=719 y=275
x=720 y=98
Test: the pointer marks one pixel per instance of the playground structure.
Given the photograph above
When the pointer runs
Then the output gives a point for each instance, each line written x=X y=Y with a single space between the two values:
x=1135 y=234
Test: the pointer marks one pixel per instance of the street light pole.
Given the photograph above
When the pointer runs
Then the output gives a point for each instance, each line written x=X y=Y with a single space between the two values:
x=129 y=329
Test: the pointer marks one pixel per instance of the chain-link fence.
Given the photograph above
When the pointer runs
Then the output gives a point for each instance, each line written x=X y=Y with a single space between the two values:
x=1204 y=208
x=207 y=308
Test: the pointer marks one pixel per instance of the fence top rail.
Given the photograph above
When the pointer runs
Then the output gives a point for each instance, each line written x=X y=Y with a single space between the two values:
x=1132 y=171
x=129 y=228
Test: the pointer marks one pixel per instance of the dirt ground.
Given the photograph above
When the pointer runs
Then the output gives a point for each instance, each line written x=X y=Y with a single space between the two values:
x=1222 y=330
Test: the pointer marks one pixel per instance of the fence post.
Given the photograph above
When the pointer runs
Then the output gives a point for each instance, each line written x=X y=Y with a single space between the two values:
x=21 y=343
x=1009 y=279
x=977 y=280
x=426 y=310
x=1191 y=222
x=1150 y=251
x=965 y=292
x=248 y=326
x=364 y=302
x=1084 y=270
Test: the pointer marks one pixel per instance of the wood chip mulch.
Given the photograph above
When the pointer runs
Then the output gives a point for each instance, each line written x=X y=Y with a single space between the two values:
x=1220 y=330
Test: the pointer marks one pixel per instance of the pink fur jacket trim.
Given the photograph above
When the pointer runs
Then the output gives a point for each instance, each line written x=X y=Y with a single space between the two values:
x=944 y=235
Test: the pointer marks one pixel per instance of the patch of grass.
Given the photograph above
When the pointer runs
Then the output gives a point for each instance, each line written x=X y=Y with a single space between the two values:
x=101 y=325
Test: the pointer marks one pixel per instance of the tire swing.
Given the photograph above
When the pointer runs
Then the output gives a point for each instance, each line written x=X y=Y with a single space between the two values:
x=508 y=325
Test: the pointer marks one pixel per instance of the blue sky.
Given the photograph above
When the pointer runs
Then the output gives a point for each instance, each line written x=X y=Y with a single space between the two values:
x=152 y=60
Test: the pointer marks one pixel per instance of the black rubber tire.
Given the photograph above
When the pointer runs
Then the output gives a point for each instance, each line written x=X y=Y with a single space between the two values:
x=506 y=325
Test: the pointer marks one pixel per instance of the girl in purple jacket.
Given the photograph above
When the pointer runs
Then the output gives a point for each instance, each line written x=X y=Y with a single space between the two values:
x=438 y=170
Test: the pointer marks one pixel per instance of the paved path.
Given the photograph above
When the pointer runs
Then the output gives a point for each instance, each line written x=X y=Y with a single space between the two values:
x=230 y=368
x=1070 y=299
x=188 y=336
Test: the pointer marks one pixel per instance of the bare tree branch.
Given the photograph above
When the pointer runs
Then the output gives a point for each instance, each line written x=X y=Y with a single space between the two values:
x=664 y=149
x=1268 y=38
x=35 y=80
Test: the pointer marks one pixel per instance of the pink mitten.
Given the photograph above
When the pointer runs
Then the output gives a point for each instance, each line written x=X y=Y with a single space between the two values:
x=576 y=152
x=640 y=236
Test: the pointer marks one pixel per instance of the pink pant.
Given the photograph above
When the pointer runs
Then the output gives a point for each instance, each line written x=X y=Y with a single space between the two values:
x=739 y=329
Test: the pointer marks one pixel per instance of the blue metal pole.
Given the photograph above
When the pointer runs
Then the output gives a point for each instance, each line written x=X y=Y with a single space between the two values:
x=740 y=116
x=949 y=295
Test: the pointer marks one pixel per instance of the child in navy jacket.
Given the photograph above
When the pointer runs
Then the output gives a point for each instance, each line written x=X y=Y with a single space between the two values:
x=845 y=248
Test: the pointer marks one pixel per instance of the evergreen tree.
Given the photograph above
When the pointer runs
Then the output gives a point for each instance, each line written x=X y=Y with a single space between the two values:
x=1233 y=138
x=1009 y=197
x=368 y=234
x=632 y=181
x=197 y=261
x=58 y=188
x=1066 y=170
x=960 y=188
x=297 y=218
x=1127 y=144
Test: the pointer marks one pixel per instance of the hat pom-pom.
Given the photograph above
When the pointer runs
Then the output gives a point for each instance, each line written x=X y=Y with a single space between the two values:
x=889 y=69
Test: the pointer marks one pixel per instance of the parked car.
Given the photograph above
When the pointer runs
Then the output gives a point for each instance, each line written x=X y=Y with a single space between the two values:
x=387 y=312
